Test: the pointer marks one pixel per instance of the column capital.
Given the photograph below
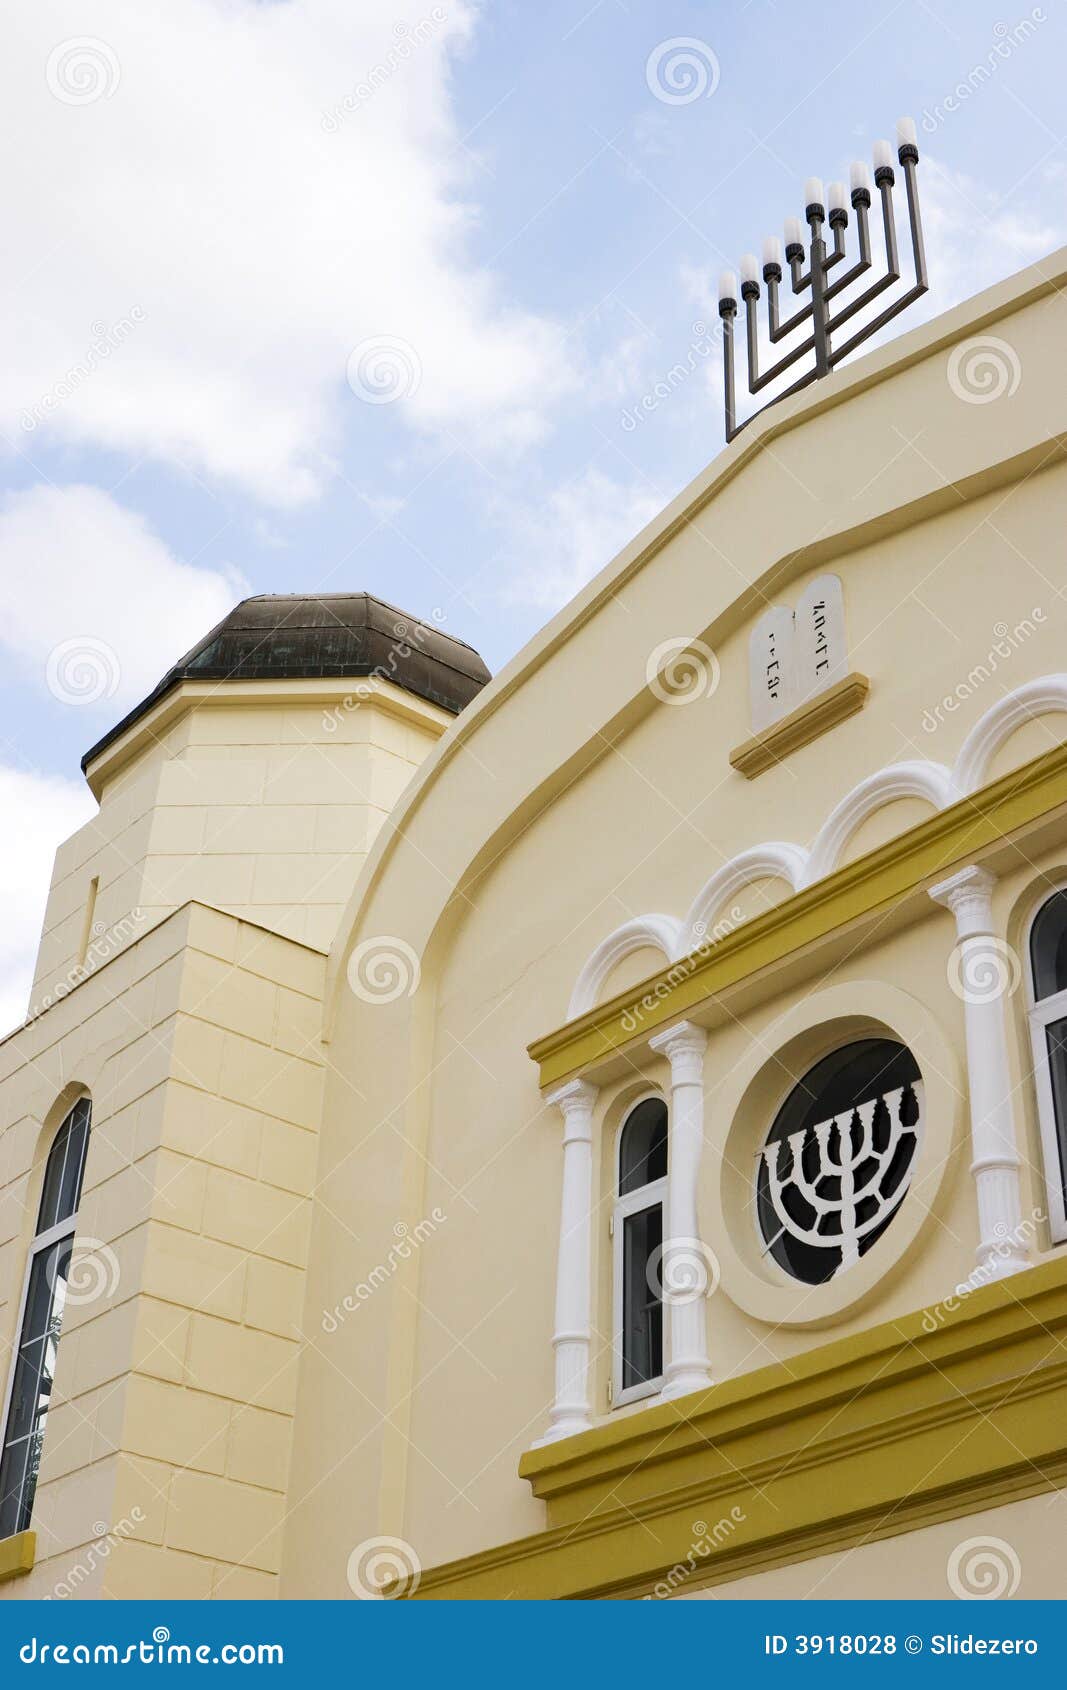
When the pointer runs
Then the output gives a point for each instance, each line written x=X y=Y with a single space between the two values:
x=683 y=1039
x=573 y=1097
x=969 y=895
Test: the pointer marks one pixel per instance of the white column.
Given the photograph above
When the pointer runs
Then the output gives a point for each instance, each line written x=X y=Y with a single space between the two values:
x=570 y=1411
x=688 y=1265
x=985 y=971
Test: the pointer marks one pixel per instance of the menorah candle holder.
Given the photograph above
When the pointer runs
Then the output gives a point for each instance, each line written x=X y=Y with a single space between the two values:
x=814 y=270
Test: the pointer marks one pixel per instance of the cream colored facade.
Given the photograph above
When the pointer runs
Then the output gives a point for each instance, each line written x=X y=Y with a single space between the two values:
x=333 y=1193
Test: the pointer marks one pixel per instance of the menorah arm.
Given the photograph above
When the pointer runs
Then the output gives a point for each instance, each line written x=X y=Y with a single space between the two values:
x=863 y=263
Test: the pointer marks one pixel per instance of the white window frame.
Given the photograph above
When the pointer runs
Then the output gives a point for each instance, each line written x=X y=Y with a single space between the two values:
x=41 y=1242
x=1040 y=1015
x=645 y=1197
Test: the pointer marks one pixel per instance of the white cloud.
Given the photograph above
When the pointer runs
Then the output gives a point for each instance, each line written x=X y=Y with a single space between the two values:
x=557 y=544
x=93 y=606
x=40 y=811
x=245 y=201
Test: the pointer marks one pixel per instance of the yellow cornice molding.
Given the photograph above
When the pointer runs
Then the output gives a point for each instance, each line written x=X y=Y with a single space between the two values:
x=885 y=876
x=17 y=1555
x=868 y=1436
x=810 y=719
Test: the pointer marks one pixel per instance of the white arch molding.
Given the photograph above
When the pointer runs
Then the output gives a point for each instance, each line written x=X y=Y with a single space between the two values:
x=660 y=932
x=1043 y=697
x=918 y=779
x=778 y=859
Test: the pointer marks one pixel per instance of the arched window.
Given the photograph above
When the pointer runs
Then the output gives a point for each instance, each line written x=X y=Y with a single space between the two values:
x=1048 y=1032
x=34 y=1365
x=637 y=1226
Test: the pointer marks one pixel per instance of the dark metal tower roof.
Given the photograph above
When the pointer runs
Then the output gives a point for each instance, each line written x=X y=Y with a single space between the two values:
x=301 y=636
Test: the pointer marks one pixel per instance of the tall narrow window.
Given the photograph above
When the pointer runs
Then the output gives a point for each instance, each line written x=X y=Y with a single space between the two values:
x=34 y=1363
x=638 y=1230
x=1048 y=1032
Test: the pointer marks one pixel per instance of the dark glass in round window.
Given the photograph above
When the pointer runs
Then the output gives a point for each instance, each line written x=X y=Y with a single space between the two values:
x=837 y=1162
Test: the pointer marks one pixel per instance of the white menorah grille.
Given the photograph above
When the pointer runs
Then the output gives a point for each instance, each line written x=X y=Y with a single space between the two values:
x=843 y=1178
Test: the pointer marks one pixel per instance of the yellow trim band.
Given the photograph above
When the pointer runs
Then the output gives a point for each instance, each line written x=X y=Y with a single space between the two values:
x=17 y=1555
x=814 y=717
x=951 y=838
x=926 y=1418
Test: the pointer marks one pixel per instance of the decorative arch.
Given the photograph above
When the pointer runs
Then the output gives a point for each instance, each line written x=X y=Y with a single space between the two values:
x=658 y=931
x=1046 y=695
x=777 y=859
x=918 y=779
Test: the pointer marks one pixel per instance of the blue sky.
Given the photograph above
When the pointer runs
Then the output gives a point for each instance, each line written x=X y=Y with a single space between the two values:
x=210 y=192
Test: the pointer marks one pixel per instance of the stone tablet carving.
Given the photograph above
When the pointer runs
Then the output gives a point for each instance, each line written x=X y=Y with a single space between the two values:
x=772 y=685
x=821 y=656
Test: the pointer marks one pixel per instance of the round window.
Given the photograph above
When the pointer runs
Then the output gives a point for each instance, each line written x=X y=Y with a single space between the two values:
x=838 y=1159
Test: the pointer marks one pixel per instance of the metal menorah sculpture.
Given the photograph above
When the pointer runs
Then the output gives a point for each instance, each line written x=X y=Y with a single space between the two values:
x=818 y=277
x=859 y=1160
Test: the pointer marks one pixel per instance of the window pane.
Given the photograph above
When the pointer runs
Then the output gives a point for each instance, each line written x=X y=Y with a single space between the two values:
x=1056 y=1037
x=13 y=1514
x=61 y=1192
x=32 y=1386
x=643 y=1146
x=642 y=1309
x=1048 y=947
